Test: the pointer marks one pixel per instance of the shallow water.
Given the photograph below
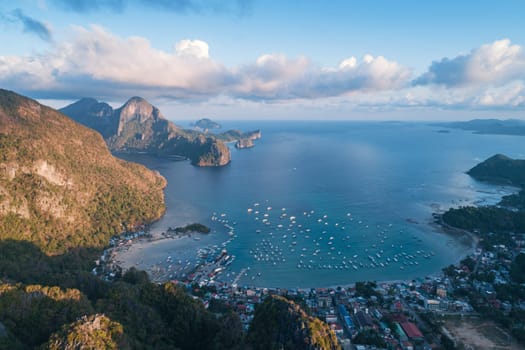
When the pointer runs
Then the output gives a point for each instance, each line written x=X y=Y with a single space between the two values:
x=377 y=184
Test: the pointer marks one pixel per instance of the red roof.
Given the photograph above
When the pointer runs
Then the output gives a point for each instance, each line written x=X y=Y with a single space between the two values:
x=411 y=330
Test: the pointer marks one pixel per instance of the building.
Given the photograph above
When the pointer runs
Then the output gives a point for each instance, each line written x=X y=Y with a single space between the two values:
x=432 y=304
x=441 y=291
x=412 y=331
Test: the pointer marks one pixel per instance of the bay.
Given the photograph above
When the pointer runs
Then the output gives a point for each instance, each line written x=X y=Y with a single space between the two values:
x=362 y=196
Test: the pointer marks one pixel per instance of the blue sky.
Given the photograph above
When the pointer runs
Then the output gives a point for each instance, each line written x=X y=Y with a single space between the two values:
x=310 y=59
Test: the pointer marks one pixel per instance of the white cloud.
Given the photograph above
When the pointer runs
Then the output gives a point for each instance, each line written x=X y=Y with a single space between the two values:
x=95 y=62
x=489 y=64
x=96 y=59
x=512 y=94
x=196 y=48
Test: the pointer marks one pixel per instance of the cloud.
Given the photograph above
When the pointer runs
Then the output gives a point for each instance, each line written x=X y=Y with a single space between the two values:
x=512 y=94
x=97 y=59
x=195 y=48
x=95 y=62
x=492 y=63
x=239 y=7
x=30 y=25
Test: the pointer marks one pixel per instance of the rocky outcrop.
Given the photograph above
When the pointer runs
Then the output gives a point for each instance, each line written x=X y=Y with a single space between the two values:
x=244 y=143
x=241 y=139
x=138 y=126
x=280 y=323
x=89 y=332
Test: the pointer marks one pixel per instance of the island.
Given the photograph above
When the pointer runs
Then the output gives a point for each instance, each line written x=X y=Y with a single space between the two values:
x=242 y=139
x=206 y=124
x=195 y=227
x=489 y=126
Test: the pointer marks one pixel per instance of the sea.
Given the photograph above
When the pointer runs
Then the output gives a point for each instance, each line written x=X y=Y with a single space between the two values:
x=326 y=203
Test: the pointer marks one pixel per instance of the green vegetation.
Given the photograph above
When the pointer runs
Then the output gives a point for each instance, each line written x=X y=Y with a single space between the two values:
x=281 y=324
x=62 y=197
x=369 y=337
x=60 y=187
x=517 y=271
x=47 y=295
x=196 y=227
x=500 y=168
x=494 y=224
x=93 y=332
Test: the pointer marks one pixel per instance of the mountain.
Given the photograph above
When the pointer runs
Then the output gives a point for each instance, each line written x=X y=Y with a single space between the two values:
x=502 y=169
x=138 y=126
x=490 y=126
x=90 y=111
x=280 y=323
x=60 y=187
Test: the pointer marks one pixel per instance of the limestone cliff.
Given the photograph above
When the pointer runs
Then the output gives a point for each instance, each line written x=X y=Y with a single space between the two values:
x=138 y=126
x=244 y=143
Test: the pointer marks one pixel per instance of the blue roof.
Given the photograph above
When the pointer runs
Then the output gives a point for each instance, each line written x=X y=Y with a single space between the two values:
x=349 y=322
x=343 y=311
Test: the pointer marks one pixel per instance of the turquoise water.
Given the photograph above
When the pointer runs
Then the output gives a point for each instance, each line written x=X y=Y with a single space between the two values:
x=362 y=195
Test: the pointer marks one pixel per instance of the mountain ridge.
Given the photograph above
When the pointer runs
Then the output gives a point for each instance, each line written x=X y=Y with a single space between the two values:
x=61 y=187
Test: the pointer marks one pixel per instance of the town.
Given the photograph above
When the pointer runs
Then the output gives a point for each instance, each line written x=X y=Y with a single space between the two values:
x=479 y=302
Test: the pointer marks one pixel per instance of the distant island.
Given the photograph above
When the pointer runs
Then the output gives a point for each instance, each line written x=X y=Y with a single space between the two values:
x=206 y=124
x=489 y=126
x=241 y=139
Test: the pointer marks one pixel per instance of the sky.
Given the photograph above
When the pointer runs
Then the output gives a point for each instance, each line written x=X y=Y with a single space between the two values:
x=265 y=59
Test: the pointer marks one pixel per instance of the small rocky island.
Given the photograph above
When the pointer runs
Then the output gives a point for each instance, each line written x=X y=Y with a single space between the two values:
x=241 y=139
x=244 y=143
x=206 y=124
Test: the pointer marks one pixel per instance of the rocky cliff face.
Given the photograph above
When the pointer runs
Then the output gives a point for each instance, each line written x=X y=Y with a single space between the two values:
x=89 y=332
x=244 y=143
x=138 y=126
x=137 y=110
x=60 y=187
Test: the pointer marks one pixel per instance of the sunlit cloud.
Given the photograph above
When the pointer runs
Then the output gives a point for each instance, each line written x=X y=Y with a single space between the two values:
x=490 y=63
x=95 y=62
x=95 y=57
